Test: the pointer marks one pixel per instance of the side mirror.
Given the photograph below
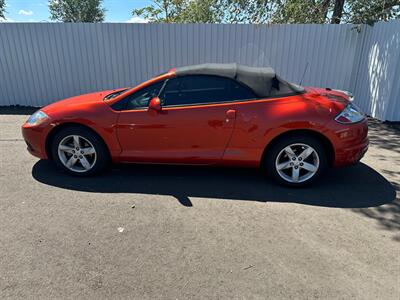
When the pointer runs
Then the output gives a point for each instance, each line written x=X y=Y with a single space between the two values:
x=155 y=104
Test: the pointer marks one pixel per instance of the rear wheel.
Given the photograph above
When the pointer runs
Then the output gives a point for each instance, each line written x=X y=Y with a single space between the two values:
x=79 y=151
x=296 y=160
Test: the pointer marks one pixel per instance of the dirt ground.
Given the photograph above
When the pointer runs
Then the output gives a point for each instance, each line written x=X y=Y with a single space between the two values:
x=158 y=232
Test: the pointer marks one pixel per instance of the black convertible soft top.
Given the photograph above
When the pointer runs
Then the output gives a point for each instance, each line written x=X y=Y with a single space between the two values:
x=263 y=81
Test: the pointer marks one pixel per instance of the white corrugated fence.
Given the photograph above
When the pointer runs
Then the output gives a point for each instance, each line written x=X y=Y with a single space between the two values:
x=43 y=62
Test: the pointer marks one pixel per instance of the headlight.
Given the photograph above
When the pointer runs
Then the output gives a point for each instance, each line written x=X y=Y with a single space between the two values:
x=37 y=118
x=351 y=114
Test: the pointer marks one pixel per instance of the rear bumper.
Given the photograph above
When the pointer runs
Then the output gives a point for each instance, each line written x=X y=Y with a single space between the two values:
x=352 y=155
x=351 y=143
x=35 y=139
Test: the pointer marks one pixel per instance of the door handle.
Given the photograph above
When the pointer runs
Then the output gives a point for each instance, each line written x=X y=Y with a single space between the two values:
x=231 y=114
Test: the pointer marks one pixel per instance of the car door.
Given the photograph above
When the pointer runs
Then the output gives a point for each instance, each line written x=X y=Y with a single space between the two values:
x=193 y=127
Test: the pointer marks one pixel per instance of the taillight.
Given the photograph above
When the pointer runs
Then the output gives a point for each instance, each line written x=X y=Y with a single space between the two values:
x=351 y=114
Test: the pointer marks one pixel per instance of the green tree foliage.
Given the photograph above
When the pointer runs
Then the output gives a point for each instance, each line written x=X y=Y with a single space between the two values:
x=179 y=11
x=245 y=11
x=335 y=11
x=371 y=11
x=88 y=11
x=206 y=11
x=2 y=8
x=270 y=11
x=161 y=11
x=200 y=11
x=301 y=11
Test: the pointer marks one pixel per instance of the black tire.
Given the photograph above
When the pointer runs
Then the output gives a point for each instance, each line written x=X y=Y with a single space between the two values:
x=101 y=160
x=270 y=158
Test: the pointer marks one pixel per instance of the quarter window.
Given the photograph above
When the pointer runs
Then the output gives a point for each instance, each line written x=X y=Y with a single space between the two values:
x=201 y=89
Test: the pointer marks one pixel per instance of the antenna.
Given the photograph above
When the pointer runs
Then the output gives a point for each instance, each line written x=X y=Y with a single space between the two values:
x=304 y=73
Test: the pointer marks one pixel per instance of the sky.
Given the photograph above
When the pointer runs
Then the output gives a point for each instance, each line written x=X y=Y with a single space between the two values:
x=119 y=11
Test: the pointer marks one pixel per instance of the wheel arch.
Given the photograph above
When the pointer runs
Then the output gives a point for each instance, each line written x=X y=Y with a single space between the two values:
x=325 y=141
x=61 y=126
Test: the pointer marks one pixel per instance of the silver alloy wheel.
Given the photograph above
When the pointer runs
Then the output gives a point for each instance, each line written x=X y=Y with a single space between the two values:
x=77 y=153
x=297 y=163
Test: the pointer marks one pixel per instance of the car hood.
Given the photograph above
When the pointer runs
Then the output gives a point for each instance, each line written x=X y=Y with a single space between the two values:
x=78 y=102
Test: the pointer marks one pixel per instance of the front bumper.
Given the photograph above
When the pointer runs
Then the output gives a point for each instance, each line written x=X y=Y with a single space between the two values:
x=35 y=139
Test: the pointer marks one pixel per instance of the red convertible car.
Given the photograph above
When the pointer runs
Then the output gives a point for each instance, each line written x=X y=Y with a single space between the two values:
x=210 y=114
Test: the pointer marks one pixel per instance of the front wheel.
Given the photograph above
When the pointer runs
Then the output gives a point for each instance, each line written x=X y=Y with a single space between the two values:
x=296 y=160
x=79 y=151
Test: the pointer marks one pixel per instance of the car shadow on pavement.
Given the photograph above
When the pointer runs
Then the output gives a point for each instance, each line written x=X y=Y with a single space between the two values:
x=357 y=186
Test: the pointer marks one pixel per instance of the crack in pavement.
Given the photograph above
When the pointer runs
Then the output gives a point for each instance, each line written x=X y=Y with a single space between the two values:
x=11 y=140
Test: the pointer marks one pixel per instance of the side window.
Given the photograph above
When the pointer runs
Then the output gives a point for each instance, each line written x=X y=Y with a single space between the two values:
x=238 y=91
x=201 y=89
x=141 y=98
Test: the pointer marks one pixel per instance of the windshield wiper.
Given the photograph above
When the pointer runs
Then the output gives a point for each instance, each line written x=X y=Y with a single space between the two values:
x=114 y=94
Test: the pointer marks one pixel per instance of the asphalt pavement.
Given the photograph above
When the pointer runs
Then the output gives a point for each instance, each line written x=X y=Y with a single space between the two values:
x=169 y=232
